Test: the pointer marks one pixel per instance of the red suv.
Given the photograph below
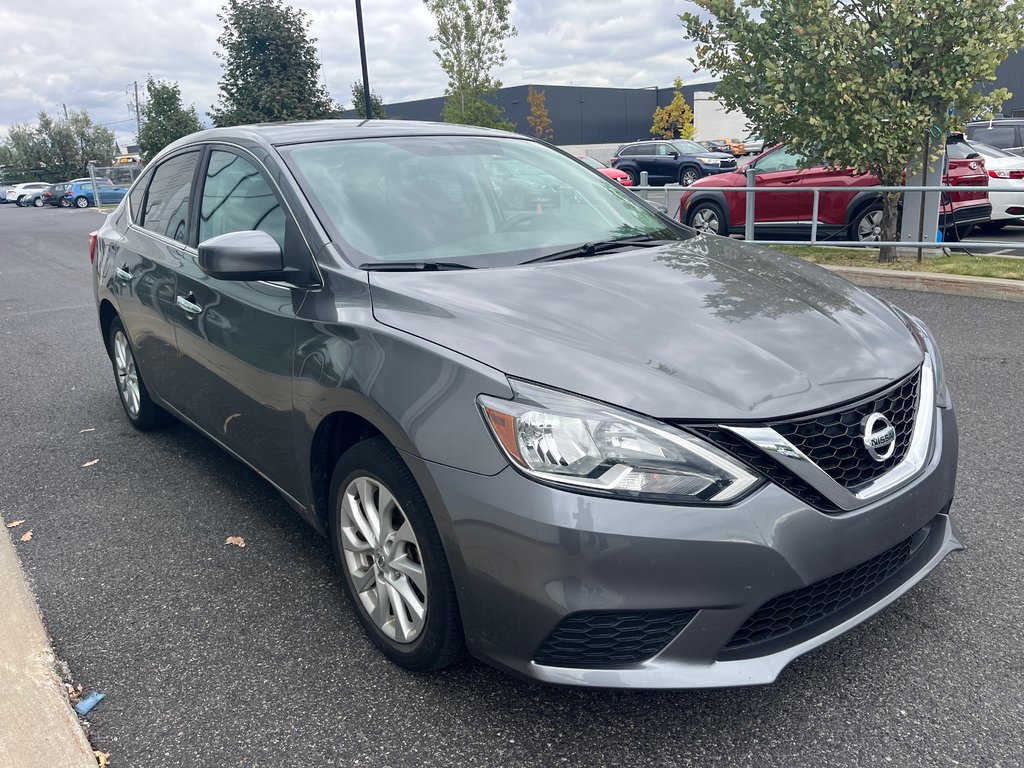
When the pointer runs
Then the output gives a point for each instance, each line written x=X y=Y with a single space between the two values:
x=853 y=215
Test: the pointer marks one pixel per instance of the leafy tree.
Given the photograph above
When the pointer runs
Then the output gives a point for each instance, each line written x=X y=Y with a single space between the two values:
x=539 y=118
x=61 y=149
x=470 y=37
x=164 y=117
x=271 y=71
x=676 y=120
x=857 y=83
x=358 y=99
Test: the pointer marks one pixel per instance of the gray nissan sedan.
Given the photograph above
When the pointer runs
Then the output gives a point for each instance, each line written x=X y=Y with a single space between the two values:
x=555 y=429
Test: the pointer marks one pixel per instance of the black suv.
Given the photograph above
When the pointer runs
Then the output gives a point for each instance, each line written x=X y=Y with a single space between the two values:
x=669 y=161
x=1005 y=133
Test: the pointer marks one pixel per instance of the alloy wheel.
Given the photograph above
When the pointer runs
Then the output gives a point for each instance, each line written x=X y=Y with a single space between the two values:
x=870 y=226
x=383 y=560
x=706 y=220
x=688 y=177
x=127 y=374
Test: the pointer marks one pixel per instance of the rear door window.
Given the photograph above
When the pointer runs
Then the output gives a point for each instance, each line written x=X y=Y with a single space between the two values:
x=170 y=194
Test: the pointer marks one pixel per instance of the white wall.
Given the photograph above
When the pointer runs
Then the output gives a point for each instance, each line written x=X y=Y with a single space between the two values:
x=711 y=121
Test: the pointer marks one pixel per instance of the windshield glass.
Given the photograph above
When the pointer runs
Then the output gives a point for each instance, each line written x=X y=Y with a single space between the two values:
x=988 y=150
x=479 y=201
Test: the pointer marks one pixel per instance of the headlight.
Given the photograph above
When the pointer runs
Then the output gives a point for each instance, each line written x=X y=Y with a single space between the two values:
x=927 y=343
x=585 y=445
x=709 y=160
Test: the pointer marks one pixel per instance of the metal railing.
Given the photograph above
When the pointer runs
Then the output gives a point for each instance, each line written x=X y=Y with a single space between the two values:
x=672 y=196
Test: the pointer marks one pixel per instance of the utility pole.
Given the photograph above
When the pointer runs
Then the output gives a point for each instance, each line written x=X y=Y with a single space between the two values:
x=138 y=116
x=65 y=111
x=362 y=56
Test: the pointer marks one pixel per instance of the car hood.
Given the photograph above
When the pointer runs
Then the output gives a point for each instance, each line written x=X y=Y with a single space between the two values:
x=699 y=329
x=716 y=155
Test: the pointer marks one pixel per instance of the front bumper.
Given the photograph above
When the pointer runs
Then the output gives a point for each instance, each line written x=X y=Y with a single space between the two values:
x=525 y=556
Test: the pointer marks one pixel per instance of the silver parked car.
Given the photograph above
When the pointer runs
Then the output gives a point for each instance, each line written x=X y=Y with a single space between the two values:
x=585 y=443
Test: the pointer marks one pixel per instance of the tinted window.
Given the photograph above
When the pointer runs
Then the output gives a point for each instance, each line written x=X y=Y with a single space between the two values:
x=1001 y=136
x=783 y=159
x=634 y=150
x=136 y=198
x=688 y=147
x=237 y=198
x=169 y=195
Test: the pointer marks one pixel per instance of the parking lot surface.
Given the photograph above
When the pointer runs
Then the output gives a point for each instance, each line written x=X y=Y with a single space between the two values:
x=215 y=655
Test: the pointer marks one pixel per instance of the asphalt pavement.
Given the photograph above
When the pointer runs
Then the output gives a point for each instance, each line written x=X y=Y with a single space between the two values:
x=215 y=655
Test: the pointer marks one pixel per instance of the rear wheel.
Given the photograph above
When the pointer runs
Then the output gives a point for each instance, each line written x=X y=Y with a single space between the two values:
x=707 y=217
x=867 y=224
x=390 y=555
x=688 y=175
x=634 y=177
x=141 y=411
x=20 y=202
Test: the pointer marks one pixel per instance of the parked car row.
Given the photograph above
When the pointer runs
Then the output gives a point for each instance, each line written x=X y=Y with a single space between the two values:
x=77 y=193
x=857 y=214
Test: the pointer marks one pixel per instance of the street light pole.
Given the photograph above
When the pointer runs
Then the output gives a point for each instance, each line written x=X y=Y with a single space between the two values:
x=362 y=56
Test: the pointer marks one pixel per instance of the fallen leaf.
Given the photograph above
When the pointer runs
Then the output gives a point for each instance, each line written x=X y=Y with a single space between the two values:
x=74 y=692
x=238 y=541
x=15 y=523
x=26 y=536
x=102 y=758
x=83 y=431
x=90 y=463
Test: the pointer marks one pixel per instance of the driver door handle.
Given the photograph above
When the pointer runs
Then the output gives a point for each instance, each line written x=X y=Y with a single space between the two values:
x=188 y=303
x=123 y=273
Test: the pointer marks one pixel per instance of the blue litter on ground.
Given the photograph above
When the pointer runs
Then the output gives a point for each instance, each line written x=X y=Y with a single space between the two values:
x=84 y=707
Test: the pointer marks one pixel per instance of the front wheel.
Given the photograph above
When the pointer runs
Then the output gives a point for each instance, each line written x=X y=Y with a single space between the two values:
x=390 y=555
x=81 y=202
x=38 y=202
x=687 y=176
x=65 y=203
x=707 y=217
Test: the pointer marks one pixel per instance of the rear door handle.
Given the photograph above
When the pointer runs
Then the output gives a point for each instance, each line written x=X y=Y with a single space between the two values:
x=123 y=273
x=188 y=304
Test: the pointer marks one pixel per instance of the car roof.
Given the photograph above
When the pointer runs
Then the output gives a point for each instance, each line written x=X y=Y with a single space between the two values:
x=283 y=134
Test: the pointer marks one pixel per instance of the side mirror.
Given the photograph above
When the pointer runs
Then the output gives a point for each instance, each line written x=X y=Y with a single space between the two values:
x=673 y=153
x=251 y=255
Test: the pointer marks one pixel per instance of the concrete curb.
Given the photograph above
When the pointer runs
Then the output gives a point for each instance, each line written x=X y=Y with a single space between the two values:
x=932 y=282
x=38 y=727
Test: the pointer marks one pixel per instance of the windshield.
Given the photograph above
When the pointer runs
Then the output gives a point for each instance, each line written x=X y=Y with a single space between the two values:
x=477 y=201
x=989 y=151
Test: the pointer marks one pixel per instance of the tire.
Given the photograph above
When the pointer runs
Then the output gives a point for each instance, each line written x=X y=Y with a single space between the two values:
x=634 y=177
x=141 y=411
x=957 y=233
x=65 y=203
x=20 y=201
x=866 y=225
x=37 y=202
x=994 y=226
x=688 y=175
x=372 y=470
x=707 y=217
x=81 y=202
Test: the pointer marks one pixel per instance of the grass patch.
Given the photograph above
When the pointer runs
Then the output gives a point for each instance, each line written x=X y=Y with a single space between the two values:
x=954 y=264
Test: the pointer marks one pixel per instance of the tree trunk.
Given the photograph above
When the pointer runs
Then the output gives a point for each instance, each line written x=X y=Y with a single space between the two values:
x=890 y=220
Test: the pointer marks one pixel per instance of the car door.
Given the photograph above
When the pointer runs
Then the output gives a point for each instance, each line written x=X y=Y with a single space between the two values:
x=832 y=206
x=780 y=210
x=236 y=338
x=143 y=267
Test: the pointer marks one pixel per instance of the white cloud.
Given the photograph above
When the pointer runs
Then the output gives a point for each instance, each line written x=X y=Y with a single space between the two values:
x=88 y=55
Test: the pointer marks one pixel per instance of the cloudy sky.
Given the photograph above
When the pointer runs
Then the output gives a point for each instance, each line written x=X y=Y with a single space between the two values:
x=88 y=55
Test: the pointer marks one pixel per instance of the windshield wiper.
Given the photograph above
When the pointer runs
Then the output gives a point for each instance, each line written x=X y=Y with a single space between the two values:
x=412 y=266
x=593 y=249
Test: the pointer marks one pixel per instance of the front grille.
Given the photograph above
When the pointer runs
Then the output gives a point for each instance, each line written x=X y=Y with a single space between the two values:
x=610 y=638
x=835 y=440
x=728 y=164
x=794 y=611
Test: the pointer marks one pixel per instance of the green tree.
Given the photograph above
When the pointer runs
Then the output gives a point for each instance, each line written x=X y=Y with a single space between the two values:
x=676 y=120
x=470 y=37
x=358 y=99
x=271 y=71
x=164 y=118
x=857 y=83
x=60 y=149
x=539 y=118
